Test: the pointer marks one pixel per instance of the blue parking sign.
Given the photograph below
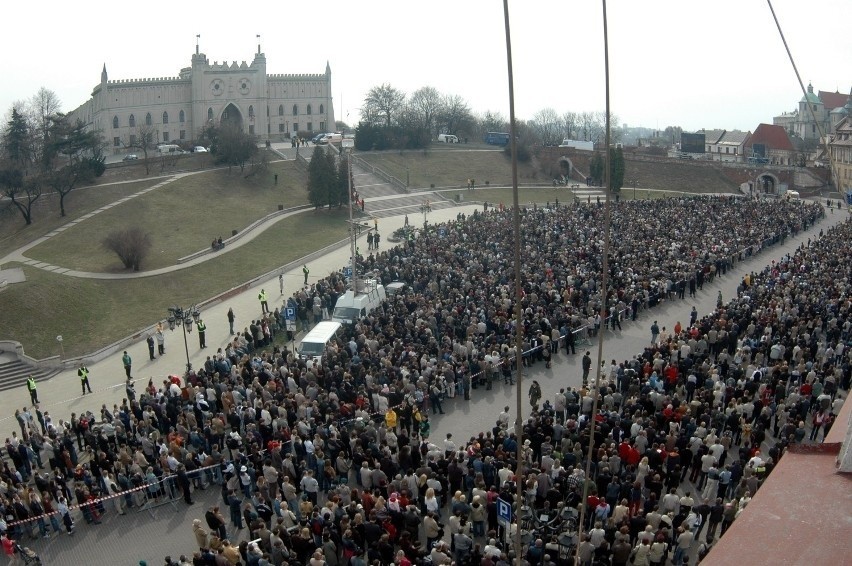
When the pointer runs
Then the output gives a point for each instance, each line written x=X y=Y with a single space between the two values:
x=504 y=512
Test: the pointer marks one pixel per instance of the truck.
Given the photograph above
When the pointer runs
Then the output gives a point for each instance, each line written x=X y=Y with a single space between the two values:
x=353 y=305
x=577 y=144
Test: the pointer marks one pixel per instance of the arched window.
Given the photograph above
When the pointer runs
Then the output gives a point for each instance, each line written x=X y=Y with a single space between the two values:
x=165 y=117
x=132 y=121
x=182 y=117
x=115 y=121
x=280 y=109
x=295 y=110
x=209 y=114
x=309 y=109
x=251 y=111
x=148 y=120
x=322 y=109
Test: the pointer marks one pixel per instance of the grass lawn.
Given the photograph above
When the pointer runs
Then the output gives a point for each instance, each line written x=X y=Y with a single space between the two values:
x=182 y=217
x=91 y=314
x=450 y=166
x=14 y=233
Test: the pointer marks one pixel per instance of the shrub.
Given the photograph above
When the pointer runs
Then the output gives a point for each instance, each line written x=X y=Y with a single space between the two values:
x=131 y=245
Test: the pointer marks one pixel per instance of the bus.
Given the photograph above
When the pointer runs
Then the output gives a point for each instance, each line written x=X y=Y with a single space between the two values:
x=496 y=138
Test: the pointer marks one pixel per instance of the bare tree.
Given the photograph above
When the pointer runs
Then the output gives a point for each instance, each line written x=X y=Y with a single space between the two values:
x=144 y=139
x=384 y=101
x=425 y=105
x=131 y=245
x=21 y=192
x=42 y=110
x=569 y=123
x=455 y=114
x=547 y=126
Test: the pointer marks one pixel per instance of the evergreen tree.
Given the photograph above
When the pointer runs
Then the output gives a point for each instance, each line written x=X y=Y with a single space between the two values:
x=321 y=178
x=596 y=167
x=616 y=169
x=332 y=183
x=16 y=141
x=344 y=180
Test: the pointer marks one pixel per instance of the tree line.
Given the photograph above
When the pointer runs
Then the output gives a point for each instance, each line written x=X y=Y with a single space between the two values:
x=42 y=150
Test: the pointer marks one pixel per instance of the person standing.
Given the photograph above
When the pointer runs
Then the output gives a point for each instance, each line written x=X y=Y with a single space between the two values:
x=655 y=333
x=83 y=374
x=161 y=339
x=127 y=362
x=31 y=387
x=306 y=271
x=281 y=283
x=231 y=318
x=264 y=304
x=150 y=341
x=202 y=328
x=587 y=366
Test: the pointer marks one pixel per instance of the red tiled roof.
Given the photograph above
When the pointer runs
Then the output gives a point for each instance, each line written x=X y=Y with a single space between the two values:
x=832 y=100
x=775 y=137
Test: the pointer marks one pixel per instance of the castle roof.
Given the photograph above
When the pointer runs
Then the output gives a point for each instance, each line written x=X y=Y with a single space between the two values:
x=833 y=99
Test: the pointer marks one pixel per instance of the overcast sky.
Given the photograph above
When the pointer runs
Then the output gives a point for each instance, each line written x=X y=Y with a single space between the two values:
x=688 y=63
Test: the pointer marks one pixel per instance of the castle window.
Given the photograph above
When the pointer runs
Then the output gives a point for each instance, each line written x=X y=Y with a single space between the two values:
x=209 y=114
x=280 y=109
x=251 y=111
x=281 y=128
x=182 y=117
x=310 y=126
x=251 y=129
x=309 y=109
x=322 y=109
x=132 y=121
x=295 y=110
x=115 y=121
x=148 y=120
x=165 y=117
x=183 y=134
x=165 y=136
x=116 y=141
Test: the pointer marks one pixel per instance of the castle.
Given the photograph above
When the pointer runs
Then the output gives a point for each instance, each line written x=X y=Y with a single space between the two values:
x=271 y=107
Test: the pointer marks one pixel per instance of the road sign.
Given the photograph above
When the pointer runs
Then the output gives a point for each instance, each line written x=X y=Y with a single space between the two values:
x=290 y=318
x=504 y=512
x=442 y=232
x=347 y=272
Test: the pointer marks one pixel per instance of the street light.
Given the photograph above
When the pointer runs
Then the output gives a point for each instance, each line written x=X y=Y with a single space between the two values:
x=425 y=208
x=635 y=182
x=184 y=317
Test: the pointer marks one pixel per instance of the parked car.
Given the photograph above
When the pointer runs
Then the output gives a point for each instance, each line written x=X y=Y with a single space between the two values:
x=316 y=139
x=130 y=157
x=199 y=149
x=448 y=138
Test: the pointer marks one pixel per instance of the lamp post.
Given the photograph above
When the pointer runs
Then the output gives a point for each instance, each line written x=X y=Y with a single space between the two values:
x=185 y=318
x=425 y=208
x=635 y=182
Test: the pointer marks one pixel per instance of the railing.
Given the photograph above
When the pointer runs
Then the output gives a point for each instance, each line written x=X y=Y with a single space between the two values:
x=380 y=173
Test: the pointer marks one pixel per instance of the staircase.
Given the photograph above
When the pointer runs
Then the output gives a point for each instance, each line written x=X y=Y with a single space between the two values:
x=14 y=374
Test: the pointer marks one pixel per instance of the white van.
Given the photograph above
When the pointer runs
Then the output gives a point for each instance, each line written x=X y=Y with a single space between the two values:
x=330 y=138
x=792 y=195
x=351 y=307
x=316 y=342
x=448 y=138
x=169 y=149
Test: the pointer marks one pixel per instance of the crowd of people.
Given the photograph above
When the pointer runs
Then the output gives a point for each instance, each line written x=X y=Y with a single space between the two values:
x=334 y=463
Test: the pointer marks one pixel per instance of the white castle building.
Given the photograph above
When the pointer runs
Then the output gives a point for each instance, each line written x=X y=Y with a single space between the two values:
x=271 y=107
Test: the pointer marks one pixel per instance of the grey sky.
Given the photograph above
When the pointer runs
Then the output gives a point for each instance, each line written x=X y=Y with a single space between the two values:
x=694 y=64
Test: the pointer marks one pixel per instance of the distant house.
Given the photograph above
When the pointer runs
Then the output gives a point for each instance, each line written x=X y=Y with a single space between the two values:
x=724 y=145
x=770 y=144
x=840 y=147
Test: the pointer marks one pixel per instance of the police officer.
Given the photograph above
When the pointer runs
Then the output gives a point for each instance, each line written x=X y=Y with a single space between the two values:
x=83 y=373
x=31 y=386
x=202 y=341
x=264 y=305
